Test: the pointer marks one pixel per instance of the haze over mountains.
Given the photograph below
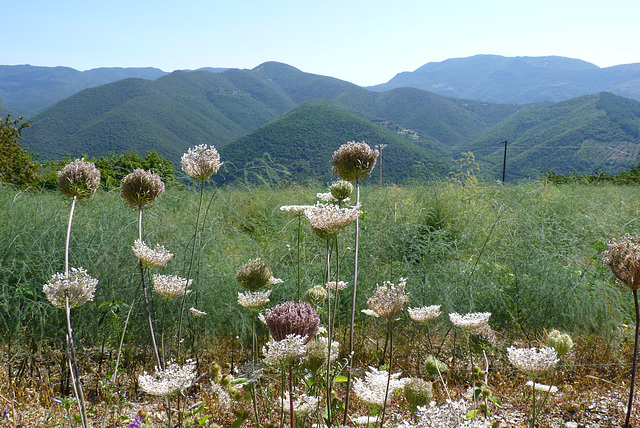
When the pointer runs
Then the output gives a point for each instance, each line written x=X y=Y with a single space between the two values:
x=281 y=121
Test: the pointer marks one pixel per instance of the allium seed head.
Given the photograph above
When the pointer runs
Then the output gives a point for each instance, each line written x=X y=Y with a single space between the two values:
x=78 y=285
x=254 y=275
x=354 y=160
x=623 y=258
x=297 y=318
x=141 y=188
x=201 y=162
x=388 y=300
x=79 y=179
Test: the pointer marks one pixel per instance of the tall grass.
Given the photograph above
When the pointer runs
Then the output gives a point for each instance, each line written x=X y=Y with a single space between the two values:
x=529 y=254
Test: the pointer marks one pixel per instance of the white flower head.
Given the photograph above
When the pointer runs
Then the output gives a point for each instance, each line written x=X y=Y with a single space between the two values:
x=173 y=379
x=340 y=285
x=470 y=321
x=201 y=162
x=170 y=286
x=533 y=361
x=303 y=405
x=389 y=299
x=542 y=388
x=253 y=300
x=151 y=257
x=373 y=388
x=281 y=352
x=425 y=313
x=327 y=221
x=370 y=313
x=78 y=286
x=299 y=209
x=197 y=313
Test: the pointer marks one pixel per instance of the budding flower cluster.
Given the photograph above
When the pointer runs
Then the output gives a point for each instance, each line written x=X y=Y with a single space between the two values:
x=201 y=162
x=78 y=286
x=388 y=300
x=141 y=188
x=561 y=342
x=354 y=160
x=255 y=275
x=79 y=179
x=417 y=392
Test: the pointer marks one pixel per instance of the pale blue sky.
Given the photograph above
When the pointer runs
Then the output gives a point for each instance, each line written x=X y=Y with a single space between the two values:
x=363 y=42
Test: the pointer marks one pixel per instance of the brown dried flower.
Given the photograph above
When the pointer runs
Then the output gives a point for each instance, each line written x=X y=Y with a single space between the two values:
x=141 y=188
x=354 y=160
x=79 y=179
x=255 y=275
x=623 y=258
x=297 y=318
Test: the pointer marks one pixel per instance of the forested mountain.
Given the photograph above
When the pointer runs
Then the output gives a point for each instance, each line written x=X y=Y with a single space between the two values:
x=26 y=90
x=277 y=115
x=519 y=79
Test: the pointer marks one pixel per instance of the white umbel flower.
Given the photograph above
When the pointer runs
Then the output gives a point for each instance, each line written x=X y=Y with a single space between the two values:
x=170 y=286
x=253 y=300
x=280 y=352
x=151 y=258
x=197 y=313
x=542 y=388
x=533 y=361
x=425 y=313
x=201 y=162
x=372 y=389
x=173 y=379
x=78 y=285
x=340 y=285
x=303 y=405
x=470 y=321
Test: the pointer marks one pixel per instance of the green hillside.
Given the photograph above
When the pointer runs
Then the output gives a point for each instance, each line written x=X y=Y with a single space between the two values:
x=592 y=132
x=299 y=146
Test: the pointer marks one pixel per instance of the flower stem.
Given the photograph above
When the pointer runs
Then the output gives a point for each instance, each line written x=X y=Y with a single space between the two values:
x=293 y=421
x=298 y=253
x=635 y=360
x=329 y=332
x=386 y=393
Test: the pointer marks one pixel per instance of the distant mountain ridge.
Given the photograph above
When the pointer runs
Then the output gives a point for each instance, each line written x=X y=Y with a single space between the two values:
x=519 y=80
x=280 y=115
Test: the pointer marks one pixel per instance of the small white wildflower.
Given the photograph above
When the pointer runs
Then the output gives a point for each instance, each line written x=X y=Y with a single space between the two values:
x=224 y=399
x=151 y=258
x=340 y=285
x=326 y=197
x=533 y=361
x=372 y=389
x=280 y=352
x=329 y=220
x=201 y=162
x=300 y=209
x=174 y=378
x=253 y=300
x=303 y=405
x=389 y=299
x=370 y=313
x=425 y=313
x=197 y=313
x=275 y=281
x=170 y=286
x=78 y=285
x=470 y=321
x=542 y=388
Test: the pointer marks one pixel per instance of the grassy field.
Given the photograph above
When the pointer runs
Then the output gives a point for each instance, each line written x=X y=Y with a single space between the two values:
x=529 y=254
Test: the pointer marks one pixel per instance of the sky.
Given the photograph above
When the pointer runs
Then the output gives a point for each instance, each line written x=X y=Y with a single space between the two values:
x=362 y=42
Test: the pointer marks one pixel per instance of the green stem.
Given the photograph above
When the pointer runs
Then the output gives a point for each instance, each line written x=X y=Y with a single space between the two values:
x=386 y=394
x=329 y=333
x=298 y=253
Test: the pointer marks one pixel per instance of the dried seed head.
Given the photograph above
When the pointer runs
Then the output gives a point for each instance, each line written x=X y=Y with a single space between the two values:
x=255 y=275
x=389 y=299
x=561 y=342
x=141 y=188
x=623 y=258
x=354 y=160
x=297 y=318
x=201 y=162
x=79 y=179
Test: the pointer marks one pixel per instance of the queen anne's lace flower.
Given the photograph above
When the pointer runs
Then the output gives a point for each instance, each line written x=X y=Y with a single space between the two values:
x=533 y=361
x=389 y=299
x=197 y=313
x=173 y=379
x=282 y=352
x=78 y=285
x=425 y=313
x=623 y=258
x=201 y=162
x=253 y=300
x=295 y=208
x=151 y=257
x=340 y=285
x=303 y=405
x=170 y=286
x=79 y=179
x=373 y=388
x=470 y=321
x=542 y=388
x=329 y=220
x=316 y=352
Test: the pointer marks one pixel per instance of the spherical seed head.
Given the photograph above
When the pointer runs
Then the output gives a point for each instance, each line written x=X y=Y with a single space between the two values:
x=433 y=366
x=417 y=392
x=561 y=342
x=316 y=295
x=201 y=162
x=141 y=188
x=354 y=160
x=341 y=189
x=292 y=318
x=79 y=179
x=254 y=275
x=388 y=300
x=623 y=258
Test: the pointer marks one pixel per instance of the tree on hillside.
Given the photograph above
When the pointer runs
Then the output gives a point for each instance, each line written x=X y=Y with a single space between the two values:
x=15 y=165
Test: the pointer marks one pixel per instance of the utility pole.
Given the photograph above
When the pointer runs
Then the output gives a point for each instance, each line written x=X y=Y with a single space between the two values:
x=504 y=162
x=380 y=147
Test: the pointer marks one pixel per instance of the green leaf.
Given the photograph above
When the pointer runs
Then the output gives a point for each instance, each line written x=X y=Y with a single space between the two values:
x=340 y=379
x=472 y=414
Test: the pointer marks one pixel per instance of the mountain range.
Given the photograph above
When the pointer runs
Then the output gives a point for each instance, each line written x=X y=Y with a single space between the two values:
x=276 y=122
